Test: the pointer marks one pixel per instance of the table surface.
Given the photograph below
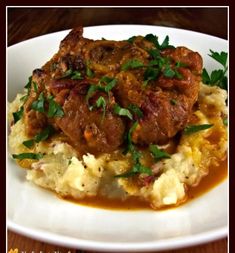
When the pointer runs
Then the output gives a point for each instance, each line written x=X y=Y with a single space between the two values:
x=25 y=23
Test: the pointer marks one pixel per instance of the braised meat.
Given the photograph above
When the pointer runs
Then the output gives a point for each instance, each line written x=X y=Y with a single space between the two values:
x=78 y=90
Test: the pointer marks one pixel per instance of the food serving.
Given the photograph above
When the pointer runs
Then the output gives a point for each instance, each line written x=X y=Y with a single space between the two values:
x=121 y=119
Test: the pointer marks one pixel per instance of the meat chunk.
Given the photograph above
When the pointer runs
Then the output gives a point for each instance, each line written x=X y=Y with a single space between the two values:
x=94 y=131
x=166 y=101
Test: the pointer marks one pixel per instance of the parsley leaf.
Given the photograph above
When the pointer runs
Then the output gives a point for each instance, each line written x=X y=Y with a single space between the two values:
x=132 y=64
x=34 y=156
x=150 y=74
x=101 y=103
x=109 y=85
x=154 y=39
x=49 y=130
x=225 y=121
x=18 y=115
x=131 y=39
x=40 y=137
x=157 y=153
x=76 y=75
x=28 y=143
x=136 y=155
x=173 y=102
x=38 y=105
x=219 y=57
x=35 y=86
x=89 y=72
x=55 y=110
x=217 y=77
x=196 y=128
x=122 y=111
x=28 y=85
x=136 y=110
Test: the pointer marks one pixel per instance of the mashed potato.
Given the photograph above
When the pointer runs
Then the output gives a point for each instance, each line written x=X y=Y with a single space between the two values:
x=62 y=171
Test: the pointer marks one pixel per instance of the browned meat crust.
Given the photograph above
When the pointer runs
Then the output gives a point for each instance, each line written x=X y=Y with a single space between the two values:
x=166 y=102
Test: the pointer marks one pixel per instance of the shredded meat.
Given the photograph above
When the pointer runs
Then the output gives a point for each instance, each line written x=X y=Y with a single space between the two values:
x=166 y=102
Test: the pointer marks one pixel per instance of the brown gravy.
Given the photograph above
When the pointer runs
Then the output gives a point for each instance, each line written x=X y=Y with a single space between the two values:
x=216 y=175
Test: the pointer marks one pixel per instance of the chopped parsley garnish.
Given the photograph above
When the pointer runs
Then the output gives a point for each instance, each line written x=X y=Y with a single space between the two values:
x=76 y=75
x=38 y=105
x=135 y=110
x=173 y=102
x=55 y=110
x=24 y=98
x=18 y=115
x=131 y=39
x=225 y=121
x=67 y=73
x=196 y=128
x=132 y=64
x=154 y=39
x=28 y=143
x=29 y=83
x=150 y=74
x=89 y=72
x=157 y=153
x=22 y=156
x=136 y=155
x=217 y=77
x=48 y=131
x=109 y=85
x=122 y=111
x=28 y=87
x=100 y=102
x=35 y=86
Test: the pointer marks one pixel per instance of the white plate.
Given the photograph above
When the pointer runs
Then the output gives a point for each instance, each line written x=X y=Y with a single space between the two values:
x=38 y=213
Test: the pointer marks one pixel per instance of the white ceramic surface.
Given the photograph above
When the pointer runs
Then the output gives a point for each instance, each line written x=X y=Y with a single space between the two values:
x=39 y=214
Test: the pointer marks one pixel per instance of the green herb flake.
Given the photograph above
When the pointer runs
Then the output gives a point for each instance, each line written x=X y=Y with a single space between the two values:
x=38 y=105
x=132 y=64
x=89 y=72
x=22 y=156
x=168 y=72
x=55 y=110
x=154 y=39
x=219 y=57
x=196 y=128
x=28 y=85
x=136 y=110
x=100 y=102
x=28 y=143
x=131 y=39
x=66 y=74
x=225 y=121
x=122 y=111
x=92 y=89
x=35 y=86
x=179 y=64
x=48 y=131
x=217 y=77
x=150 y=74
x=157 y=153
x=24 y=98
x=76 y=75
x=18 y=115
x=173 y=102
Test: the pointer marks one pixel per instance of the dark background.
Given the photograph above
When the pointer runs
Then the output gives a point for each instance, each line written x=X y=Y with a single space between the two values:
x=25 y=23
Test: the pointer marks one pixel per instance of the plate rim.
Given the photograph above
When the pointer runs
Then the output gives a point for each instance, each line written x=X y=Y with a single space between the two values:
x=163 y=244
